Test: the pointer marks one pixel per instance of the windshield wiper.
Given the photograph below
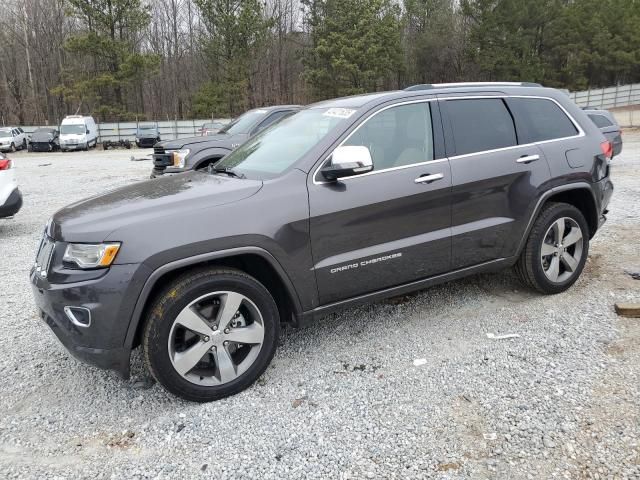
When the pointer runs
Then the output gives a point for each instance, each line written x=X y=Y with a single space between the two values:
x=228 y=171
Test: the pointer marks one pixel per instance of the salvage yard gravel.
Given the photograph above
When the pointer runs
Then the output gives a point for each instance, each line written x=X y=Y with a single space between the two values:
x=478 y=378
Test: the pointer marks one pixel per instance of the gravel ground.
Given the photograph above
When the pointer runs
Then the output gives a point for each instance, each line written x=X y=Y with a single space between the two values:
x=343 y=397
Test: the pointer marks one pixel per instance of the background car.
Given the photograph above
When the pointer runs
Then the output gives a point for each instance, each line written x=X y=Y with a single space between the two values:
x=195 y=153
x=12 y=138
x=78 y=132
x=147 y=136
x=608 y=125
x=46 y=139
x=211 y=128
x=10 y=196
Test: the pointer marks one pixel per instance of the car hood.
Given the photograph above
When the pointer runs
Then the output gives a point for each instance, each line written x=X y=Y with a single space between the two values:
x=93 y=219
x=183 y=142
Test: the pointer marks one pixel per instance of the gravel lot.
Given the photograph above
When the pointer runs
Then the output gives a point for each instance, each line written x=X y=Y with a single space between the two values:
x=343 y=398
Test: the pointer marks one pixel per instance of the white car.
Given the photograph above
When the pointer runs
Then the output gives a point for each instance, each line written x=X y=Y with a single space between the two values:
x=10 y=196
x=12 y=138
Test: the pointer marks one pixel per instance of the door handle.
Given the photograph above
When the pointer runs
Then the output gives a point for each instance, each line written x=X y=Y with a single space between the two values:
x=528 y=158
x=429 y=178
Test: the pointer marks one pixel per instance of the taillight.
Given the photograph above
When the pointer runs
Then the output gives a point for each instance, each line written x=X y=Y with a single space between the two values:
x=607 y=149
x=5 y=164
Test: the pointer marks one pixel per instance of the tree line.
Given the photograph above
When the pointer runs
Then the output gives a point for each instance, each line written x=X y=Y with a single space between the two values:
x=180 y=59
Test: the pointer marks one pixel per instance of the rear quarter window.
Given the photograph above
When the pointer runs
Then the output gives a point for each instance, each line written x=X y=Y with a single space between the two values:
x=539 y=119
x=480 y=124
x=600 y=120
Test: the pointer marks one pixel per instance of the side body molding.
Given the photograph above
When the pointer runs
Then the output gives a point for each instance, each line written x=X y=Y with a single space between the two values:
x=169 y=267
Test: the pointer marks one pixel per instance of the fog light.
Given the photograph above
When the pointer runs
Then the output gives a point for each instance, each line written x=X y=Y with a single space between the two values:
x=79 y=316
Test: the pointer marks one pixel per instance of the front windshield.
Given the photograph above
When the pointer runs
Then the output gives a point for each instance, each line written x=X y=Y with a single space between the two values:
x=277 y=148
x=245 y=122
x=76 y=129
x=5 y=132
x=44 y=133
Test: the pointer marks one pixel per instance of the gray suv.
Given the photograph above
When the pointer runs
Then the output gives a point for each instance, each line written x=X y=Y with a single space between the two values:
x=344 y=202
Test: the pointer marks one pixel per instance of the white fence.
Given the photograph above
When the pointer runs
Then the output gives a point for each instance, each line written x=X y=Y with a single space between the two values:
x=610 y=97
x=127 y=130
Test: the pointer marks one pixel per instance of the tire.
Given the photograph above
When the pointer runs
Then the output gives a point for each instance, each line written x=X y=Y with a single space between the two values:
x=24 y=144
x=166 y=341
x=13 y=147
x=537 y=269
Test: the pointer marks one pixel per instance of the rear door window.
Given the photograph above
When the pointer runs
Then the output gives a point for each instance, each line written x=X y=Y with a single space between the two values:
x=480 y=124
x=539 y=119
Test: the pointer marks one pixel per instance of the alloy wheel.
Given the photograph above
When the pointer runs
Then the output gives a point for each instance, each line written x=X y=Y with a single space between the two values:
x=216 y=338
x=561 y=250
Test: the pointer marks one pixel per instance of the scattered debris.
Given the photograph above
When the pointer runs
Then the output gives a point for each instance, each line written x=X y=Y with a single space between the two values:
x=445 y=467
x=204 y=467
x=635 y=273
x=140 y=159
x=490 y=436
x=628 y=309
x=44 y=164
x=419 y=361
x=179 y=427
x=107 y=144
x=298 y=401
x=493 y=336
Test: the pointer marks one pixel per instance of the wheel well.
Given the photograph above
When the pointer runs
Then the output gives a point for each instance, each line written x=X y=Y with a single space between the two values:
x=204 y=163
x=582 y=199
x=252 y=264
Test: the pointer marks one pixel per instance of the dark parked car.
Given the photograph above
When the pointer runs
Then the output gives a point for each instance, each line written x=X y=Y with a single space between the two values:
x=183 y=154
x=344 y=202
x=211 y=128
x=608 y=125
x=45 y=140
x=147 y=136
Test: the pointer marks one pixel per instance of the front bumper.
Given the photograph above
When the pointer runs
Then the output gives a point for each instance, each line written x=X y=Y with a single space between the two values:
x=12 y=205
x=146 y=142
x=110 y=299
x=73 y=146
x=42 y=147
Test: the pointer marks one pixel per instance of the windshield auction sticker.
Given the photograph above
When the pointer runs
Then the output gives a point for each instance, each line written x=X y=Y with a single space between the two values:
x=339 y=112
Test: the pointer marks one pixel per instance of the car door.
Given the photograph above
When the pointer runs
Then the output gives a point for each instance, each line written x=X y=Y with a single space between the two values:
x=494 y=179
x=392 y=225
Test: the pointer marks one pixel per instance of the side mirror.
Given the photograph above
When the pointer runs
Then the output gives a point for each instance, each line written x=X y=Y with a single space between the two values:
x=346 y=162
x=87 y=131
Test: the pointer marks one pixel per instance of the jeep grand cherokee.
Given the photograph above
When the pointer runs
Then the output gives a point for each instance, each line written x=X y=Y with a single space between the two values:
x=347 y=201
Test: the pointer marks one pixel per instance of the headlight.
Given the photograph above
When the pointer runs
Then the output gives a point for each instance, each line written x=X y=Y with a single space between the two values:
x=179 y=157
x=91 y=255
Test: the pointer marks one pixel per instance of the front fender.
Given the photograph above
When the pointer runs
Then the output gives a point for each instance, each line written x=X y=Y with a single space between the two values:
x=153 y=278
x=194 y=161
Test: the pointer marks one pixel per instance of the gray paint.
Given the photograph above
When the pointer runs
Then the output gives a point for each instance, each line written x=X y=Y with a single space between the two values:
x=402 y=235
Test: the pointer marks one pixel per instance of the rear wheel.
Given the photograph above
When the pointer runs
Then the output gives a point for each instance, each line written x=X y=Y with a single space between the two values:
x=211 y=334
x=557 y=249
x=13 y=147
x=24 y=144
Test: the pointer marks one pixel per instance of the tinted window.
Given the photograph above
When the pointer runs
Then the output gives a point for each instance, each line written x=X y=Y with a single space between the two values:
x=539 y=119
x=397 y=136
x=479 y=125
x=601 y=121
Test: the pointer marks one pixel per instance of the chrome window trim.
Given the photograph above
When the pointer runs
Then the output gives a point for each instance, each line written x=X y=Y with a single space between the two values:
x=374 y=172
x=580 y=133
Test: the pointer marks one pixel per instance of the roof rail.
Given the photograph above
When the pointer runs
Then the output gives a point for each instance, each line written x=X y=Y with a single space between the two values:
x=429 y=86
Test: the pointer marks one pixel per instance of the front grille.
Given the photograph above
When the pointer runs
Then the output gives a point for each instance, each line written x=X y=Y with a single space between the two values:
x=43 y=258
x=159 y=150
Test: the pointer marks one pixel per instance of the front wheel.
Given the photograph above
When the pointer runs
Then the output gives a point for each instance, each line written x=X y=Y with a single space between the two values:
x=24 y=144
x=210 y=334
x=556 y=250
x=13 y=147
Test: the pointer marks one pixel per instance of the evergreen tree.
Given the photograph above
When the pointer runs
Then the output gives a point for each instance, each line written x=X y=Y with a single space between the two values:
x=355 y=46
x=107 y=60
x=234 y=31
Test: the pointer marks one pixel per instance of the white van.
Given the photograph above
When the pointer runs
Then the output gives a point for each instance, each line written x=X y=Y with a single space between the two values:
x=78 y=133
